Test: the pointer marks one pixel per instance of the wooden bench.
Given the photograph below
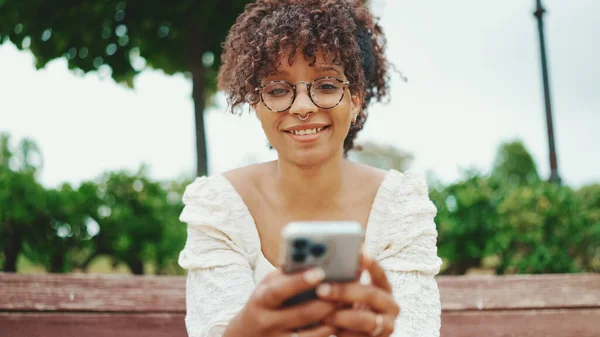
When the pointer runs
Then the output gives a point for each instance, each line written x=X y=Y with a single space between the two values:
x=135 y=306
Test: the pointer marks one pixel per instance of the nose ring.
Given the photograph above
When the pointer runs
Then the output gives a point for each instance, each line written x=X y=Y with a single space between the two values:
x=305 y=117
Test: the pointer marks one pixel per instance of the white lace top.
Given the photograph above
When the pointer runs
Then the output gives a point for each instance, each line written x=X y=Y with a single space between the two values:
x=224 y=259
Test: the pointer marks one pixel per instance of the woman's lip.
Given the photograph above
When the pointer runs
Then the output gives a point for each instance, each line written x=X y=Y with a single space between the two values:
x=308 y=126
x=307 y=138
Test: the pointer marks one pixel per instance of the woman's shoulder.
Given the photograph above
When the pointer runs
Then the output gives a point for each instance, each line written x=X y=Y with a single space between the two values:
x=222 y=186
x=216 y=198
x=392 y=183
x=407 y=184
x=213 y=205
x=244 y=179
x=401 y=195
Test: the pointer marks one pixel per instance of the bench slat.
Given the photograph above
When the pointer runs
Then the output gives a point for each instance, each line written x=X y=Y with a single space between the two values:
x=520 y=291
x=101 y=293
x=522 y=323
x=20 y=324
x=513 y=323
x=126 y=293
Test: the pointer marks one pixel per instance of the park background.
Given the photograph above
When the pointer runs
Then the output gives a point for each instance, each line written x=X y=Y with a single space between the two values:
x=99 y=143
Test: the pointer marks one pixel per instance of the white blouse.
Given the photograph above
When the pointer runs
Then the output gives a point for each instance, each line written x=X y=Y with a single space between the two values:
x=224 y=259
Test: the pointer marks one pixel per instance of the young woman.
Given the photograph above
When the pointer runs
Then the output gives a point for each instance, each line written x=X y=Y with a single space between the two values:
x=309 y=70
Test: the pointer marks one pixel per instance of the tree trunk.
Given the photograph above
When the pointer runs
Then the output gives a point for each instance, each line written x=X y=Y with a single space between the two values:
x=194 y=52
x=11 y=248
x=199 y=105
x=57 y=263
x=462 y=266
x=136 y=266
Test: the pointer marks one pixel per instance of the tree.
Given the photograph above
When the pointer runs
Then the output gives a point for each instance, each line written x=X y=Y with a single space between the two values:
x=134 y=218
x=22 y=198
x=174 y=233
x=514 y=165
x=543 y=230
x=467 y=221
x=61 y=240
x=590 y=198
x=385 y=157
x=184 y=36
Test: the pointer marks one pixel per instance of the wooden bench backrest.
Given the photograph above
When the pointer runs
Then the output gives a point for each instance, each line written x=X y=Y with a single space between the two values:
x=135 y=306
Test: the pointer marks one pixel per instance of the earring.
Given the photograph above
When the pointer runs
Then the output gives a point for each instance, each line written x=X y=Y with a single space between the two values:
x=251 y=98
x=354 y=119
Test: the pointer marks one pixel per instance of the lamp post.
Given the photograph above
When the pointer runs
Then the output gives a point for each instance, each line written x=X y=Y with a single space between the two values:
x=539 y=13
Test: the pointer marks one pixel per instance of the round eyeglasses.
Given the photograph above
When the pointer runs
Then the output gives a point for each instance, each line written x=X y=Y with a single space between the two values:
x=325 y=92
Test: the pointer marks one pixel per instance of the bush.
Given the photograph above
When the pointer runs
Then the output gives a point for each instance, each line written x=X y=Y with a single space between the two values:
x=510 y=216
x=124 y=216
x=525 y=224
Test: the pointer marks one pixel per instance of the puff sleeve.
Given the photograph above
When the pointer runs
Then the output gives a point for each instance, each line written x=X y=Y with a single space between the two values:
x=402 y=236
x=220 y=255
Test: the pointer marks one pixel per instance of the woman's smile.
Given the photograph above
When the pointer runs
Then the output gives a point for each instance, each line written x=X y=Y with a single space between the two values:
x=307 y=133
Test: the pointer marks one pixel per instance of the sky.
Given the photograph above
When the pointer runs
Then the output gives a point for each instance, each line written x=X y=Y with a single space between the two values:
x=474 y=81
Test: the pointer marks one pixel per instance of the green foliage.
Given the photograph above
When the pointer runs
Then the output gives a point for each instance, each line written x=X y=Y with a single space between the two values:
x=545 y=230
x=514 y=165
x=126 y=36
x=527 y=225
x=127 y=217
x=590 y=198
x=467 y=221
x=138 y=221
x=522 y=225
x=169 y=36
x=61 y=238
x=22 y=198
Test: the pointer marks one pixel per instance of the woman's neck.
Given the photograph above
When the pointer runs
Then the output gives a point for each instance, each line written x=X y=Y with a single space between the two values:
x=310 y=186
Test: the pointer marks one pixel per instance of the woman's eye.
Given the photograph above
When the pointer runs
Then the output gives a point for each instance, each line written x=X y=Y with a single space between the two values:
x=277 y=92
x=327 y=87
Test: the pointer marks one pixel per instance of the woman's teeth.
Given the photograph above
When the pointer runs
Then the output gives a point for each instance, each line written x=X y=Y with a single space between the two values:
x=306 y=132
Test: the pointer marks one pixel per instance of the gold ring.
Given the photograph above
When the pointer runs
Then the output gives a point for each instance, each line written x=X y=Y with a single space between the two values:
x=378 y=325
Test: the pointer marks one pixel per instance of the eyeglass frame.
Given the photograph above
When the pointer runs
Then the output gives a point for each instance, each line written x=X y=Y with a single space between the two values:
x=295 y=92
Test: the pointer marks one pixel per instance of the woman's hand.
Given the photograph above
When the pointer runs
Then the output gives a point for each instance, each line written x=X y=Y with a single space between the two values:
x=373 y=310
x=263 y=315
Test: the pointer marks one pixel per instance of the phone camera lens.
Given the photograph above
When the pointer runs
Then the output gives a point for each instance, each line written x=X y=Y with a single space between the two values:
x=300 y=244
x=298 y=257
x=317 y=250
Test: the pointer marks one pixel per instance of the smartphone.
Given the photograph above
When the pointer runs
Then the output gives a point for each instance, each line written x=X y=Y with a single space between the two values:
x=334 y=246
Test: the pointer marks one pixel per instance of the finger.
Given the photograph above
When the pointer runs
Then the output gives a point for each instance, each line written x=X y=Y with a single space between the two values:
x=376 y=298
x=378 y=276
x=272 y=275
x=319 y=331
x=347 y=333
x=304 y=314
x=272 y=293
x=360 y=321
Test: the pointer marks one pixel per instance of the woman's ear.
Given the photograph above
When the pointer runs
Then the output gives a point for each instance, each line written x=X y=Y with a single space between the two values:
x=356 y=106
x=252 y=100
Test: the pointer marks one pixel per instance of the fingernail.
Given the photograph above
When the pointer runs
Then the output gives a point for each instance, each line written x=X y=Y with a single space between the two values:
x=366 y=254
x=314 y=276
x=324 y=290
x=367 y=258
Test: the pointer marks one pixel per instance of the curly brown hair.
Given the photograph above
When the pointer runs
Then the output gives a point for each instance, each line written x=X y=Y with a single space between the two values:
x=344 y=30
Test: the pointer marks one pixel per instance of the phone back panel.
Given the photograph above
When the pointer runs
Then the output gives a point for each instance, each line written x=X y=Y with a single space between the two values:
x=331 y=245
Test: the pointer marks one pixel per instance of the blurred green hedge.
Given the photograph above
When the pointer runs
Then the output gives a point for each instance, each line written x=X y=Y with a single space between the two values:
x=120 y=216
x=509 y=221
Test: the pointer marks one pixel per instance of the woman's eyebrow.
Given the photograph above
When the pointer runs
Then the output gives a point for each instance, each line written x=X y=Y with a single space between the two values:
x=324 y=67
x=278 y=73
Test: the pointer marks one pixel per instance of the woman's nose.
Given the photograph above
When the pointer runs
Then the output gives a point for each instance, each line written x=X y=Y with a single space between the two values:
x=302 y=105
